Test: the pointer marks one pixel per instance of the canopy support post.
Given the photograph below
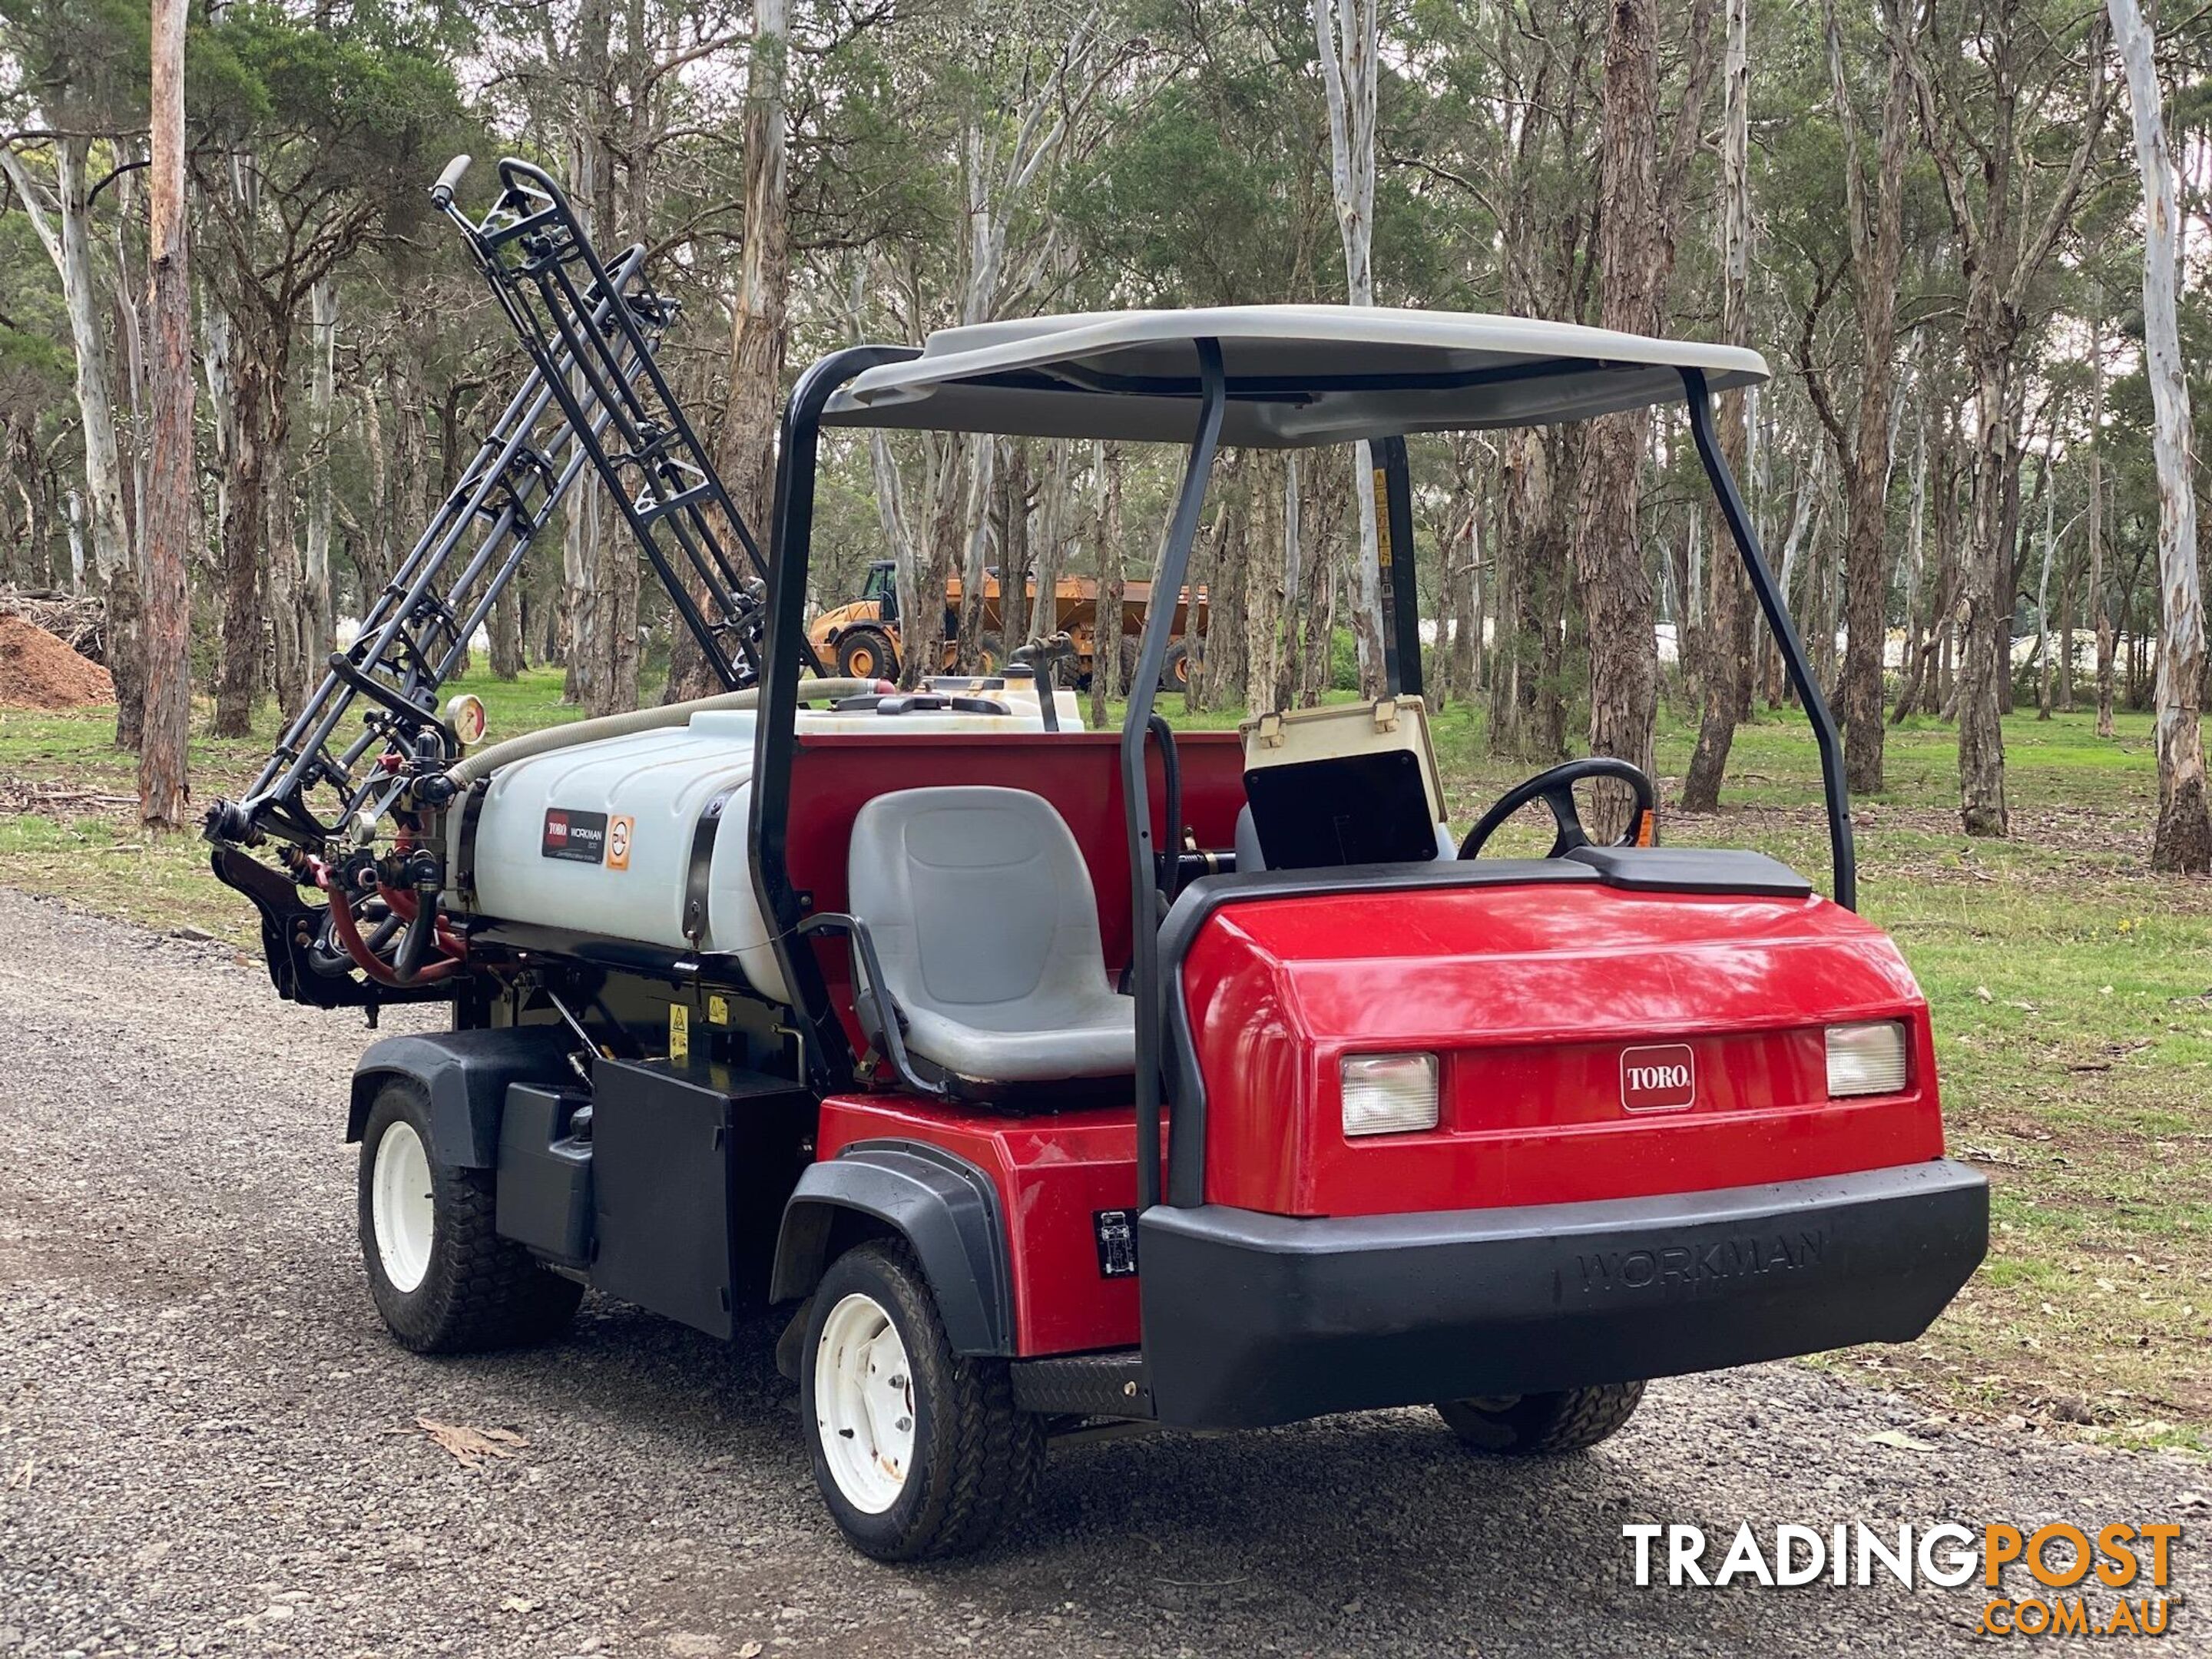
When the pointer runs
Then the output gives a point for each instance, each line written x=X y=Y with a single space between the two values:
x=1393 y=550
x=1136 y=795
x=784 y=651
x=1843 y=853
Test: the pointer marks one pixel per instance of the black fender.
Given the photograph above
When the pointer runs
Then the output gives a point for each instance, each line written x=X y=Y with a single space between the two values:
x=465 y=1074
x=944 y=1206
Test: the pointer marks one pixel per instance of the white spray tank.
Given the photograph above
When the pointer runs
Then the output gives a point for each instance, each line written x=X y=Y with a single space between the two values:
x=598 y=837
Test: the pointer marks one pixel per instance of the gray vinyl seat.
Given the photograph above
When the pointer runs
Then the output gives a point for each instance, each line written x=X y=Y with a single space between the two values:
x=987 y=927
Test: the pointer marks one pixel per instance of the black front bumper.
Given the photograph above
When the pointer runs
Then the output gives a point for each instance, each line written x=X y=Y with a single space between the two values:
x=1253 y=1319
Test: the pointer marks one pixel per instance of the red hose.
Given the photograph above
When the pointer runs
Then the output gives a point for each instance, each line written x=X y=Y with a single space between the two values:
x=402 y=906
x=349 y=931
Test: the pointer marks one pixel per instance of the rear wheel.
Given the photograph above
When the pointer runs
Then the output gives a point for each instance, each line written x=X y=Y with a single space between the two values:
x=918 y=1452
x=866 y=654
x=1535 y=1425
x=441 y=1275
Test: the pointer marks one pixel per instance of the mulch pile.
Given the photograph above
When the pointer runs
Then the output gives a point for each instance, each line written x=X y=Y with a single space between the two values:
x=38 y=671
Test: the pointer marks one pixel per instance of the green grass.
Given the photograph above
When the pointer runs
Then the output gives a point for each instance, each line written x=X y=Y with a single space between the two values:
x=2071 y=990
x=92 y=851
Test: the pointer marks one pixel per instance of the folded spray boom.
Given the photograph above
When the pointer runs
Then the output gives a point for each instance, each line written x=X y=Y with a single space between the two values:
x=593 y=395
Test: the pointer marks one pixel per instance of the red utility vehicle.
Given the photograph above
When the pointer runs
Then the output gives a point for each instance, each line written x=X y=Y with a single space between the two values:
x=1050 y=1081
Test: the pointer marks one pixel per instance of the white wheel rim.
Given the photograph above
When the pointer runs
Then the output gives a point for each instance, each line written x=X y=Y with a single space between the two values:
x=864 y=1404
x=400 y=1205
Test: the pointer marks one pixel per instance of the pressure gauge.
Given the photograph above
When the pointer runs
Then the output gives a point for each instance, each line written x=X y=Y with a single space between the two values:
x=465 y=720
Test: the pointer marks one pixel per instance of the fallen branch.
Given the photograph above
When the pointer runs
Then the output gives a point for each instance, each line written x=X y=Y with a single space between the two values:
x=79 y=621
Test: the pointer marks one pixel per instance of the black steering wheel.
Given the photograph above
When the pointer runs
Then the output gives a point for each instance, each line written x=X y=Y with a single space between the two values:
x=1556 y=789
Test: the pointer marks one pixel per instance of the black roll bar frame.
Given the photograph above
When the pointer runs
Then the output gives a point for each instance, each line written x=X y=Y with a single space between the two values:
x=1842 y=850
x=1393 y=551
x=829 y=1055
x=1145 y=908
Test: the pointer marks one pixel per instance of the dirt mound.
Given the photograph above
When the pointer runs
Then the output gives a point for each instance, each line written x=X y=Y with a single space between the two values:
x=38 y=671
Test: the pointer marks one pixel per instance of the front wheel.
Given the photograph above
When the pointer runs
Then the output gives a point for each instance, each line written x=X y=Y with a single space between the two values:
x=1181 y=664
x=1538 y=1425
x=442 y=1278
x=918 y=1452
x=867 y=653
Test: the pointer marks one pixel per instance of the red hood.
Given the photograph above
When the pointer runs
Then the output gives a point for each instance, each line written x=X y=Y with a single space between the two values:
x=1529 y=994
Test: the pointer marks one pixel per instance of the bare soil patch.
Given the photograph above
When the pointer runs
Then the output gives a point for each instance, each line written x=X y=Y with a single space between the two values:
x=38 y=671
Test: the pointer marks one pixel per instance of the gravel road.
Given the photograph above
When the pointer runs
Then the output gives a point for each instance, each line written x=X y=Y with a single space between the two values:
x=207 y=1445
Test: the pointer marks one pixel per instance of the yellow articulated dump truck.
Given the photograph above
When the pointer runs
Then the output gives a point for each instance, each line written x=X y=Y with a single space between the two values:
x=862 y=637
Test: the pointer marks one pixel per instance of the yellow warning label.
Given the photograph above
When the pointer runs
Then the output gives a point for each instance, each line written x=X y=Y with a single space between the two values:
x=718 y=1009
x=679 y=1034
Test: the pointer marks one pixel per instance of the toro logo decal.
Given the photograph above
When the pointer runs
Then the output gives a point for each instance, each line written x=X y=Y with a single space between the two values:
x=581 y=837
x=1663 y=1077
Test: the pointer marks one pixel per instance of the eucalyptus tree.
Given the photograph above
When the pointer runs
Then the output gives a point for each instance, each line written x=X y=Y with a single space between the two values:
x=1018 y=101
x=1724 y=637
x=1499 y=156
x=1874 y=214
x=316 y=130
x=634 y=93
x=2011 y=99
x=744 y=446
x=1214 y=190
x=1347 y=39
x=78 y=89
x=2099 y=599
x=2183 y=837
x=166 y=611
x=1641 y=178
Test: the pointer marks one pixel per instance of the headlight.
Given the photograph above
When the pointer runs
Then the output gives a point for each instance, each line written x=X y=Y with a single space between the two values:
x=1866 y=1060
x=1389 y=1094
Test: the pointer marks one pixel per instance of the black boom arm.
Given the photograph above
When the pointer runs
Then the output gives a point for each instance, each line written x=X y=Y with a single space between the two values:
x=357 y=810
x=593 y=395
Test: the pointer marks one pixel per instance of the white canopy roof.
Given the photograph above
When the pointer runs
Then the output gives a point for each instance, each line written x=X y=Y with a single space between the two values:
x=1296 y=374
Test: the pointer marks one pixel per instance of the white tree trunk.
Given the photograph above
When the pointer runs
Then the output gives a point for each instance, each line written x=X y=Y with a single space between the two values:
x=1915 y=534
x=63 y=222
x=1806 y=494
x=2042 y=595
x=1347 y=35
x=215 y=364
x=2182 y=840
x=2100 y=601
x=76 y=542
x=322 y=386
x=166 y=613
x=132 y=321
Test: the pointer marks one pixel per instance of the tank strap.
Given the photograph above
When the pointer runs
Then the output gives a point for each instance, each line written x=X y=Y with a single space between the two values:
x=465 y=854
x=701 y=866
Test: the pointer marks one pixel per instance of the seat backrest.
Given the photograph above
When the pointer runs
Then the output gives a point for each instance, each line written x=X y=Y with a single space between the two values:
x=979 y=904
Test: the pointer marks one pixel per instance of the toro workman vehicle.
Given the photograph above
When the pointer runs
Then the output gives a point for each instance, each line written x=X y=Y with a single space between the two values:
x=1053 y=1082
